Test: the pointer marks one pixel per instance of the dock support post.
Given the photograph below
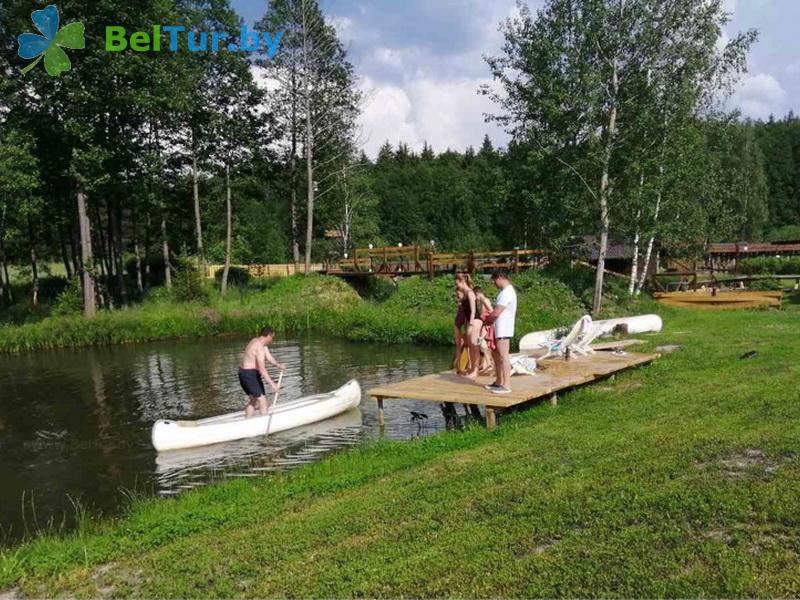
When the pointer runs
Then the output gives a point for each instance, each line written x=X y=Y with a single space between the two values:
x=553 y=399
x=381 y=417
x=491 y=419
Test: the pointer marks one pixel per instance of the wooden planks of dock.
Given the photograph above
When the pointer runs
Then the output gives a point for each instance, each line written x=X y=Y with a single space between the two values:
x=552 y=376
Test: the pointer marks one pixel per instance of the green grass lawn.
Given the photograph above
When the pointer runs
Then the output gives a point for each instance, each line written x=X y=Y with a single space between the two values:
x=22 y=273
x=678 y=479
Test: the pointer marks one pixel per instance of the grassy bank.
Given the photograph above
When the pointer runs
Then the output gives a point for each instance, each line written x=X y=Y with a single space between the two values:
x=417 y=310
x=680 y=479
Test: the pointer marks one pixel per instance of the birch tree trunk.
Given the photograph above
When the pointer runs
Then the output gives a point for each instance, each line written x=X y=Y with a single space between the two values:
x=651 y=242
x=597 y=301
x=62 y=243
x=6 y=297
x=309 y=143
x=635 y=262
x=4 y=286
x=293 y=169
x=137 y=253
x=8 y=294
x=228 y=231
x=147 y=225
x=198 y=226
x=347 y=223
x=89 y=306
x=116 y=227
x=605 y=221
x=34 y=267
x=105 y=267
x=165 y=251
x=310 y=192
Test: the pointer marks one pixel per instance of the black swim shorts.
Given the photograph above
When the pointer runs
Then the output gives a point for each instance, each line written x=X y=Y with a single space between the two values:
x=251 y=382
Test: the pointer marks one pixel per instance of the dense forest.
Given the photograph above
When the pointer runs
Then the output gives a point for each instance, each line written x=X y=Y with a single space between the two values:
x=132 y=166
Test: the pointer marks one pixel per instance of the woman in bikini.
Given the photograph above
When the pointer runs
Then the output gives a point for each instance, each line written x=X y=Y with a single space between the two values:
x=474 y=323
x=458 y=330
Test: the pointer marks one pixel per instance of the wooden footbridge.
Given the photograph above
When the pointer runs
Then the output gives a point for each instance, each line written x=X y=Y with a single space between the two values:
x=402 y=261
x=552 y=376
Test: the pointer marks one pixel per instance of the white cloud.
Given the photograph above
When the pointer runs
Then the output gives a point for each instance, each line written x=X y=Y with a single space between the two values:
x=391 y=57
x=342 y=24
x=759 y=96
x=386 y=115
x=446 y=114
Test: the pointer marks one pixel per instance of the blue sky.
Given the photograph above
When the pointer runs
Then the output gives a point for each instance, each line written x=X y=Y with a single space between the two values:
x=420 y=63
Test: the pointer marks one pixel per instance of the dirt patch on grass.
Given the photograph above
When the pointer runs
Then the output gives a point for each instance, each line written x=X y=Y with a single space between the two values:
x=526 y=548
x=10 y=595
x=750 y=460
x=756 y=538
x=762 y=540
x=107 y=578
x=622 y=386
x=719 y=535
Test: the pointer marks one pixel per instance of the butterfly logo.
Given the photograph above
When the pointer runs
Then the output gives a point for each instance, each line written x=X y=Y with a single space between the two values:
x=49 y=44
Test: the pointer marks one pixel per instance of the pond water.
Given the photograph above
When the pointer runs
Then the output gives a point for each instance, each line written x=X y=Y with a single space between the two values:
x=75 y=424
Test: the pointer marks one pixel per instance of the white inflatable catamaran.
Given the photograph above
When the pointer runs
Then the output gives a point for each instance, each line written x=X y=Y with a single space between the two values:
x=592 y=330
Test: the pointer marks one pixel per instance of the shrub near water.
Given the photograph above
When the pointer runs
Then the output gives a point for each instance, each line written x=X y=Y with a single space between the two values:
x=420 y=294
x=544 y=303
x=70 y=300
x=300 y=293
x=189 y=285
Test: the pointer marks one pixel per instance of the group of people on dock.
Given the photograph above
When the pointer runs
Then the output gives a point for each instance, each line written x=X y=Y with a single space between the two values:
x=485 y=331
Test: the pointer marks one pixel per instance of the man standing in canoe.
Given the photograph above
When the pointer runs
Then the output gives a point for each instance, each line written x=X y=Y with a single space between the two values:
x=253 y=371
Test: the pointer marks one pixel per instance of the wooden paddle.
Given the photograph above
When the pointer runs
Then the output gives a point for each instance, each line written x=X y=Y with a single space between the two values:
x=274 y=402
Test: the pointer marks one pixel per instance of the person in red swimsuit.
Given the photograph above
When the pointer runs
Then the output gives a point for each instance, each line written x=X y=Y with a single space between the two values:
x=487 y=333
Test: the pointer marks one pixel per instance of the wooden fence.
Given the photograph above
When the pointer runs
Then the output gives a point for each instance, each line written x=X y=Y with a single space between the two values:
x=420 y=260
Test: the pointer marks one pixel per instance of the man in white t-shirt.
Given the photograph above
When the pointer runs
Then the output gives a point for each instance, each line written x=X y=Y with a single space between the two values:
x=503 y=317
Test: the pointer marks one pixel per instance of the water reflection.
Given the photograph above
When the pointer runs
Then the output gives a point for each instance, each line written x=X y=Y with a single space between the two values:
x=77 y=423
x=276 y=452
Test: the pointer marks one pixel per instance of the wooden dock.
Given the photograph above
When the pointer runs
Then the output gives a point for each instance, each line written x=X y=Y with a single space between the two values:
x=552 y=376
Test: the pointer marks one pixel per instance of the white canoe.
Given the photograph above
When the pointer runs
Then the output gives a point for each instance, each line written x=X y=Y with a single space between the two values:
x=630 y=325
x=174 y=435
x=173 y=465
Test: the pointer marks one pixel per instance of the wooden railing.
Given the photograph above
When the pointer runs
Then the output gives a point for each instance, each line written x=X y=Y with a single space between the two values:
x=408 y=260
